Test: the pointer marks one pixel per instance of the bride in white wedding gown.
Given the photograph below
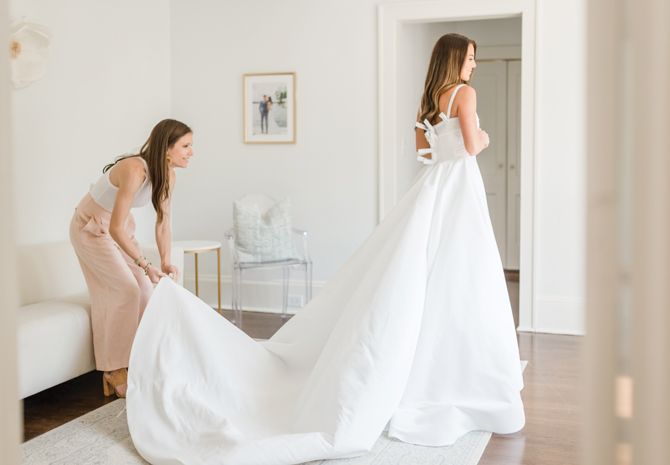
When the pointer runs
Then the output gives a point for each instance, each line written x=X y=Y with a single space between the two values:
x=414 y=335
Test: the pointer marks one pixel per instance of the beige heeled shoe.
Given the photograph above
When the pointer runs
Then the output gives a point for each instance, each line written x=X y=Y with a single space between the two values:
x=115 y=383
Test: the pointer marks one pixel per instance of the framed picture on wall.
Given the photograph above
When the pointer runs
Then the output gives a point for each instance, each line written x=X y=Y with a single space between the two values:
x=269 y=108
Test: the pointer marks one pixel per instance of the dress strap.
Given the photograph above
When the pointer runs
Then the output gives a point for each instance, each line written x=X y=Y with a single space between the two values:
x=146 y=168
x=146 y=165
x=451 y=99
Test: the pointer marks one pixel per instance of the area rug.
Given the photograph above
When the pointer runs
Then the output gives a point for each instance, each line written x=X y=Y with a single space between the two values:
x=101 y=437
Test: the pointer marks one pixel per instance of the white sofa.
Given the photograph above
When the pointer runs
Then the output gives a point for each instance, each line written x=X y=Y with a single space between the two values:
x=54 y=327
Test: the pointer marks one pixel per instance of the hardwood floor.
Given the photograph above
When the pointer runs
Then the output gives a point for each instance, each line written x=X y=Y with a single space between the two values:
x=551 y=397
x=51 y=408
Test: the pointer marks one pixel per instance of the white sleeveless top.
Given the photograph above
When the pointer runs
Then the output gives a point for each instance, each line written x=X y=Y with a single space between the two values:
x=445 y=138
x=104 y=192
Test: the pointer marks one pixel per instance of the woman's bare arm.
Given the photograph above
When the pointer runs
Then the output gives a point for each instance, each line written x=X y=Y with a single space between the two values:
x=474 y=138
x=128 y=178
x=164 y=230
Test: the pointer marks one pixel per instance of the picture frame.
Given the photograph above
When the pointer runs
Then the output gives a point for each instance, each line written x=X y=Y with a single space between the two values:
x=269 y=108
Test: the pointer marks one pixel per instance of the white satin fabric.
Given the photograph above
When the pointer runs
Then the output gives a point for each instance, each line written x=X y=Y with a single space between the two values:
x=414 y=333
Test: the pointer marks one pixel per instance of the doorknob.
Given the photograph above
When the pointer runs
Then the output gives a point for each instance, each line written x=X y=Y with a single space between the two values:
x=511 y=167
x=501 y=165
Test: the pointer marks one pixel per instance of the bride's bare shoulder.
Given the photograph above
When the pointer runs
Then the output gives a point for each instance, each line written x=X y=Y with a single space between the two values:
x=465 y=97
x=465 y=94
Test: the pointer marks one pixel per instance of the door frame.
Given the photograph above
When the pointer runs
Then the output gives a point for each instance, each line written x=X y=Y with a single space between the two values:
x=389 y=18
x=10 y=420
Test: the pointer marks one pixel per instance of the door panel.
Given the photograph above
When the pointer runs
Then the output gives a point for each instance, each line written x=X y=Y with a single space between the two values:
x=513 y=164
x=490 y=82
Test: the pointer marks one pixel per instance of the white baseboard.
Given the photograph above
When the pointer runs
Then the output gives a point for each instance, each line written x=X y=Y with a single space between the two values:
x=257 y=295
x=558 y=315
x=552 y=315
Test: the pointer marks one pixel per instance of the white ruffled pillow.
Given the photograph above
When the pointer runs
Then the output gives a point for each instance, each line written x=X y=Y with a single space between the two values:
x=263 y=228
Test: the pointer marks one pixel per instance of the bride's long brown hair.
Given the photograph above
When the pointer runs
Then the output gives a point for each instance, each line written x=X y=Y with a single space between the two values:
x=154 y=151
x=444 y=72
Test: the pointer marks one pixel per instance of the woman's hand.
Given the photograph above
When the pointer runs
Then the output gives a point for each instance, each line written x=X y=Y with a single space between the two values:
x=154 y=274
x=484 y=136
x=170 y=270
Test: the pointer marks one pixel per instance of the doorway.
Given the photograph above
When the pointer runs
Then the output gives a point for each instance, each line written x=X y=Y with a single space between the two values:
x=502 y=100
x=497 y=80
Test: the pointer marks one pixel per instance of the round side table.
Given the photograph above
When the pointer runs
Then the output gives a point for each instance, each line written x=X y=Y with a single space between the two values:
x=198 y=247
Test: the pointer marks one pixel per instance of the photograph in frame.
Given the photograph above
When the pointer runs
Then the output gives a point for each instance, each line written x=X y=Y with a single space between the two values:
x=269 y=108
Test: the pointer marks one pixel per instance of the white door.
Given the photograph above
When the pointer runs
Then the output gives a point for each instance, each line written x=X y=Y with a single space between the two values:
x=498 y=85
x=513 y=171
x=490 y=82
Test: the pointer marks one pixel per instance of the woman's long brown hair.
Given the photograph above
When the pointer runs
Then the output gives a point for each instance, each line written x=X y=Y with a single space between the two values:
x=444 y=72
x=154 y=151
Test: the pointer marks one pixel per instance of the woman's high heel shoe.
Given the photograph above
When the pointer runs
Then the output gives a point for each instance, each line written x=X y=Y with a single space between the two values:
x=115 y=383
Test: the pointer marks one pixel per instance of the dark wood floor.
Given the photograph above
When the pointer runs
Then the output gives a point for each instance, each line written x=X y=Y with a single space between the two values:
x=551 y=399
x=551 y=395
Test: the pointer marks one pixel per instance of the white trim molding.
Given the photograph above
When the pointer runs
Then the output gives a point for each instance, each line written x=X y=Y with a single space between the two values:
x=500 y=52
x=257 y=295
x=559 y=315
x=10 y=418
x=390 y=17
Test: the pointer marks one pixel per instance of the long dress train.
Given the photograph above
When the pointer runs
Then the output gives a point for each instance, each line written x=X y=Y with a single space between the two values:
x=414 y=334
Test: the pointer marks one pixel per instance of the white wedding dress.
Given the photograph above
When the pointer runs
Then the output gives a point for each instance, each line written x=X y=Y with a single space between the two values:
x=273 y=127
x=414 y=335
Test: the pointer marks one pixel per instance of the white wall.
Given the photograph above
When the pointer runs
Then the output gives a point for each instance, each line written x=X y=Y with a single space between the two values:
x=330 y=173
x=107 y=84
x=560 y=198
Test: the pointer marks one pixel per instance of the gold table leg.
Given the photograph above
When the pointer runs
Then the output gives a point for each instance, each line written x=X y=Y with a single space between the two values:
x=197 y=287
x=218 y=274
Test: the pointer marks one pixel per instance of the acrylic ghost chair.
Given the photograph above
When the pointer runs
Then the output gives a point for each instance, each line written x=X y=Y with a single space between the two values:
x=262 y=237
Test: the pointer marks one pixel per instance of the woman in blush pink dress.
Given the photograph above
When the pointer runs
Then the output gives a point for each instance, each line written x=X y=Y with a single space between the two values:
x=102 y=229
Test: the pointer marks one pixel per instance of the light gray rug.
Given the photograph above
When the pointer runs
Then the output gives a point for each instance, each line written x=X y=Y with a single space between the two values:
x=101 y=437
